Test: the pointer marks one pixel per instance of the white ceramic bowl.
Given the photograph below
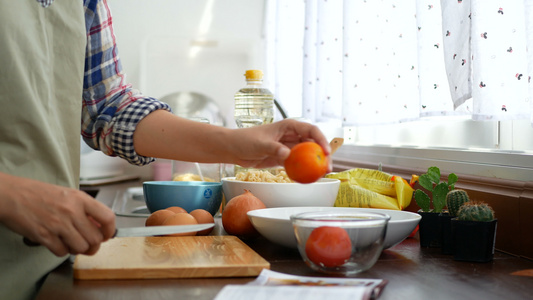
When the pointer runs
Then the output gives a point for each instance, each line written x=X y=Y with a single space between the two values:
x=275 y=224
x=320 y=193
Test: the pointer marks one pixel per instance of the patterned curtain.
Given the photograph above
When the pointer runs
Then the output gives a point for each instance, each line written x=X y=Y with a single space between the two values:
x=369 y=62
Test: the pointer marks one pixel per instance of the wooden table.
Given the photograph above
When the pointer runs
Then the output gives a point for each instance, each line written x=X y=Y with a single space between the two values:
x=412 y=273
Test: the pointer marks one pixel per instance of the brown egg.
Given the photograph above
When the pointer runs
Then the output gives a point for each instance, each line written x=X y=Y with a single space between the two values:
x=158 y=217
x=202 y=216
x=176 y=209
x=181 y=219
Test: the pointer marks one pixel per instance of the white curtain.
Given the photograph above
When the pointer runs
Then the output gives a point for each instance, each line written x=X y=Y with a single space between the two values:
x=370 y=62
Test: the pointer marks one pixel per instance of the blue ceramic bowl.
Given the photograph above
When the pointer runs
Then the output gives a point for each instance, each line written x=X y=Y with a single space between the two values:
x=189 y=195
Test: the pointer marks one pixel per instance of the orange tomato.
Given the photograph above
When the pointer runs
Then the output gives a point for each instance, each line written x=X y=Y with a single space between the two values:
x=328 y=246
x=306 y=163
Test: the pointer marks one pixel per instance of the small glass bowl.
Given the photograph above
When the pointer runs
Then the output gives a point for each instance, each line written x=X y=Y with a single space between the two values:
x=340 y=243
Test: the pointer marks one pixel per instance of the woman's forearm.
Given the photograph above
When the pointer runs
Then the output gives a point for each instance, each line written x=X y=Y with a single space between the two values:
x=164 y=135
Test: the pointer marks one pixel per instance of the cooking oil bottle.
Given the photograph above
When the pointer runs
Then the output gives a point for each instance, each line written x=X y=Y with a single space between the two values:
x=254 y=104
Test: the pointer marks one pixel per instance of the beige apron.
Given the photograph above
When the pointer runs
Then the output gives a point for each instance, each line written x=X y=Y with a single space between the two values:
x=42 y=52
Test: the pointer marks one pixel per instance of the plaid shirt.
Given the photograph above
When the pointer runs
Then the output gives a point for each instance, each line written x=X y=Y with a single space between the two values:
x=111 y=108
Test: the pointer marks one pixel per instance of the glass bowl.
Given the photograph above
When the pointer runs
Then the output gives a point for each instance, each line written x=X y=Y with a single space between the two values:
x=340 y=243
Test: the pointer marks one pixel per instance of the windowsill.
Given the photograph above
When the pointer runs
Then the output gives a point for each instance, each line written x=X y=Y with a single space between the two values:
x=507 y=165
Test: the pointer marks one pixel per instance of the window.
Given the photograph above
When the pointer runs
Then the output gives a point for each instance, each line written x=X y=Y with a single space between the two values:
x=442 y=136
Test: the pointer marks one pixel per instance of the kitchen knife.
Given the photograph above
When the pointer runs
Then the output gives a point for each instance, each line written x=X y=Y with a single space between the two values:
x=148 y=231
x=159 y=230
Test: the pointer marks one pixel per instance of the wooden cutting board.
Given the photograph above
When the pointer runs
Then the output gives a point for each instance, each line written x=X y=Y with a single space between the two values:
x=170 y=257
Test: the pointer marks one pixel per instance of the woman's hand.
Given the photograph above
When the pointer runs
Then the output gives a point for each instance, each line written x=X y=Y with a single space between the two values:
x=62 y=219
x=269 y=145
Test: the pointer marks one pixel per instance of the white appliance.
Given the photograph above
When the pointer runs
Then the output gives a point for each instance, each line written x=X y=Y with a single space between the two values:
x=94 y=165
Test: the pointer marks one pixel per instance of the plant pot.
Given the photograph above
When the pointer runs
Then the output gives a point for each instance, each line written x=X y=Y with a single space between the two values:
x=446 y=238
x=473 y=240
x=429 y=229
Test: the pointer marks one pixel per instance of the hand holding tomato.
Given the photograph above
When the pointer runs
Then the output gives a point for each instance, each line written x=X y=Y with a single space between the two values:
x=328 y=246
x=306 y=163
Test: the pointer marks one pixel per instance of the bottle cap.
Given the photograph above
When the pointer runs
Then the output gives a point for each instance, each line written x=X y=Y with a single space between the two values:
x=254 y=74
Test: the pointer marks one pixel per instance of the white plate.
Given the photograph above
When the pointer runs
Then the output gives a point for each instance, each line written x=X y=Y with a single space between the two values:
x=275 y=225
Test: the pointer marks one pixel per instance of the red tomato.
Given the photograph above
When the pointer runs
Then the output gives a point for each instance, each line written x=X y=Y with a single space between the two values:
x=306 y=163
x=328 y=246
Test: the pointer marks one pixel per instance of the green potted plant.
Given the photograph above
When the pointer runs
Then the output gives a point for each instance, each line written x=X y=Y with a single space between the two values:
x=431 y=207
x=474 y=232
x=454 y=200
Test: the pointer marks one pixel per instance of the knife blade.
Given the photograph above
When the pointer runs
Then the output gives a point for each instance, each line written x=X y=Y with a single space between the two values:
x=147 y=231
x=159 y=230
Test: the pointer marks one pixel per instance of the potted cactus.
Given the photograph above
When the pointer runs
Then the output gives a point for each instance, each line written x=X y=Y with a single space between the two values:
x=474 y=232
x=454 y=200
x=431 y=207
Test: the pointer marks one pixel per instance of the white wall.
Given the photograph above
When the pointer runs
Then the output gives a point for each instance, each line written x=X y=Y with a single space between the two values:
x=155 y=36
x=154 y=39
